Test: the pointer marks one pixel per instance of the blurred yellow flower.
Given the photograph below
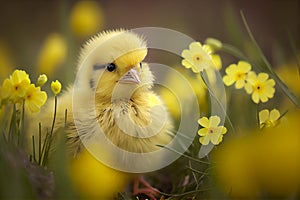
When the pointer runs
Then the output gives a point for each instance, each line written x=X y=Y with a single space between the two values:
x=289 y=74
x=52 y=55
x=262 y=164
x=237 y=74
x=197 y=57
x=15 y=87
x=34 y=98
x=211 y=131
x=56 y=87
x=214 y=43
x=42 y=79
x=86 y=18
x=94 y=180
x=174 y=94
x=260 y=86
x=268 y=119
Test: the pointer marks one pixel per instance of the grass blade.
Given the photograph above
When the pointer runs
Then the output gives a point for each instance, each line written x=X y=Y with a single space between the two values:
x=268 y=66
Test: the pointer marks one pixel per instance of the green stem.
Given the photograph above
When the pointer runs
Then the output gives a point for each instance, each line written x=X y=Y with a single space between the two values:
x=40 y=143
x=50 y=135
x=184 y=155
x=54 y=117
x=33 y=149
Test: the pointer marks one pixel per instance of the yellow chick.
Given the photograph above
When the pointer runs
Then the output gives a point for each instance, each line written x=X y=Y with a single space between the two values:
x=111 y=68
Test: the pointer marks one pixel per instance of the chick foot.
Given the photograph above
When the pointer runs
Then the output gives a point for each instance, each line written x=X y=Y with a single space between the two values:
x=148 y=190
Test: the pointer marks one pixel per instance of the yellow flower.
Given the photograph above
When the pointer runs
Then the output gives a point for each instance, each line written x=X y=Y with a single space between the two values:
x=268 y=119
x=260 y=86
x=251 y=166
x=215 y=44
x=86 y=18
x=56 y=87
x=197 y=57
x=237 y=74
x=41 y=80
x=211 y=131
x=174 y=98
x=52 y=55
x=15 y=87
x=34 y=98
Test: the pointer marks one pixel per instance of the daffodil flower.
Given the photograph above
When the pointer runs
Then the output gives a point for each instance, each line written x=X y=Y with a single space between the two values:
x=260 y=86
x=211 y=131
x=268 y=119
x=35 y=98
x=197 y=57
x=237 y=74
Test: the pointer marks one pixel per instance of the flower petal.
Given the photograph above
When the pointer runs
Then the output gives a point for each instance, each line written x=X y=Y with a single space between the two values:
x=239 y=84
x=214 y=121
x=244 y=66
x=217 y=61
x=204 y=122
x=263 y=116
x=204 y=140
x=249 y=88
x=195 y=46
x=228 y=80
x=274 y=115
x=203 y=131
x=186 y=64
x=255 y=97
x=262 y=77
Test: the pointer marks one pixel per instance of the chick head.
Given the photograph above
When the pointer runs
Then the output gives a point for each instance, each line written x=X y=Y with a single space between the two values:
x=117 y=58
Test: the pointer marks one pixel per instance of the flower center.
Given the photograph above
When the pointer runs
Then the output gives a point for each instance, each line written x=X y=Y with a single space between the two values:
x=239 y=76
x=197 y=58
x=211 y=130
x=258 y=87
x=28 y=97
x=16 y=87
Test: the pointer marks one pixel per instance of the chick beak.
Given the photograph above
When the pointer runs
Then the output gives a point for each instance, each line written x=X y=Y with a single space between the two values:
x=130 y=77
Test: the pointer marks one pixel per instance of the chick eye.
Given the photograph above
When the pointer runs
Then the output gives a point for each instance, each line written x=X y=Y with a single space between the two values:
x=141 y=66
x=111 y=67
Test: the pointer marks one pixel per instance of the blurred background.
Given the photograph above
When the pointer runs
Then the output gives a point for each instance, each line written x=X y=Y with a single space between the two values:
x=33 y=33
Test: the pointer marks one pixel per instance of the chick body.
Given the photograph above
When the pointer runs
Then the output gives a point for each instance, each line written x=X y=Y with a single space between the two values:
x=114 y=101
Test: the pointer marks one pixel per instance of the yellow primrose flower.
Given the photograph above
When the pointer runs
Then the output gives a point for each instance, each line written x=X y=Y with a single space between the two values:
x=56 y=87
x=197 y=57
x=211 y=131
x=268 y=119
x=86 y=18
x=237 y=74
x=34 y=98
x=52 y=55
x=15 y=87
x=41 y=80
x=260 y=86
